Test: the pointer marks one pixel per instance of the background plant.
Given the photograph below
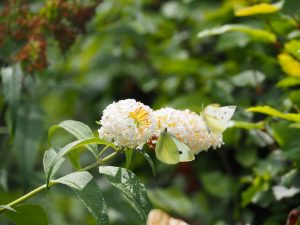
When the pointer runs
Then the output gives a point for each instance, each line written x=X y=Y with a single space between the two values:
x=149 y=50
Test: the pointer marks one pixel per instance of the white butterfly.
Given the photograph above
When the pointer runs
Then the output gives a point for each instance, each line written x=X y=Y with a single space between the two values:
x=159 y=217
x=217 y=118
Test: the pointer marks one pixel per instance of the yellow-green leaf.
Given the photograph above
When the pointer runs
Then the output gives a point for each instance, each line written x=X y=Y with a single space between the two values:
x=289 y=65
x=257 y=34
x=53 y=160
x=295 y=125
x=274 y=112
x=260 y=8
x=76 y=128
x=293 y=48
x=288 y=82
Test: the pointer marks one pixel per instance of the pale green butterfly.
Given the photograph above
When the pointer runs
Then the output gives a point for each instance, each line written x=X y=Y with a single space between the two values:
x=171 y=151
x=217 y=118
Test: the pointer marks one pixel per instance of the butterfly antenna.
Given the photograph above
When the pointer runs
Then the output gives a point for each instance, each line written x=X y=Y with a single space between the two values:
x=202 y=108
x=208 y=130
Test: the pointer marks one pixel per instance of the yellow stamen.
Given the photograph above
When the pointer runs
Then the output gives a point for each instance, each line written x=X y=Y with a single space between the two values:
x=141 y=118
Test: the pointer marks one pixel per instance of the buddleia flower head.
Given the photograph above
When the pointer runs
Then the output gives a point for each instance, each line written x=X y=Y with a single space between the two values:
x=127 y=123
x=188 y=127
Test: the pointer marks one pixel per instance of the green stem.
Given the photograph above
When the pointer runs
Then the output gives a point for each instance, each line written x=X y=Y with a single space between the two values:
x=100 y=162
x=269 y=24
x=25 y=197
x=102 y=151
x=43 y=187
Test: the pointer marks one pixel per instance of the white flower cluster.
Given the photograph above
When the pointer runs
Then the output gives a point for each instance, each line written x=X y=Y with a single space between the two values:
x=127 y=123
x=187 y=127
x=130 y=124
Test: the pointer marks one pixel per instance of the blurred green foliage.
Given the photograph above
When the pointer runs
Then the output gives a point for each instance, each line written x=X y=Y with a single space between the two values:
x=152 y=51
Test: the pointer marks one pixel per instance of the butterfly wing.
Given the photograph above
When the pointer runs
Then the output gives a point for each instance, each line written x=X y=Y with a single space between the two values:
x=185 y=153
x=221 y=113
x=171 y=151
x=216 y=126
x=166 y=149
x=217 y=117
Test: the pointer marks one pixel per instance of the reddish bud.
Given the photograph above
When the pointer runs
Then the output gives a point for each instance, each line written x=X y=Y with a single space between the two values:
x=152 y=142
x=293 y=217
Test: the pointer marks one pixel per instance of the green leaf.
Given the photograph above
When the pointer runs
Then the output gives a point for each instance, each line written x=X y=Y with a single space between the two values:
x=48 y=159
x=80 y=143
x=27 y=139
x=232 y=40
x=3 y=179
x=257 y=34
x=70 y=147
x=248 y=195
x=226 y=186
x=286 y=179
x=246 y=157
x=294 y=96
x=287 y=138
x=88 y=192
x=260 y=8
x=295 y=34
x=12 y=83
x=28 y=215
x=76 y=128
x=172 y=200
x=295 y=125
x=76 y=180
x=259 y=185
x=132 y=189
x=292 y=154
x=261 y=138
x=120 y=211
x=174 y=10
x=148 y=158
x=293 y=48
x=289 y=64
x=92 y=198
x=288 y=82
x=248 y=78
x=74 y=158
x=273 y=112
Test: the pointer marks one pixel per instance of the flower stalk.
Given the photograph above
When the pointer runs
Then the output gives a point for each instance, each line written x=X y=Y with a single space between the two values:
x=26 y=196
x=44 y=186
